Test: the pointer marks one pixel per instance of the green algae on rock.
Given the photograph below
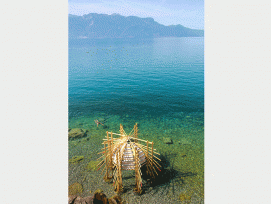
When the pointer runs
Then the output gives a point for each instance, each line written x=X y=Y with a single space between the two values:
x=76 y=159
x=75 y=189
x=92 y=165
x=77 y=133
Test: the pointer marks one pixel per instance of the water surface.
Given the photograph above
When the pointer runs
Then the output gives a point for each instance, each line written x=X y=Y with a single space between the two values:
x=157 y=83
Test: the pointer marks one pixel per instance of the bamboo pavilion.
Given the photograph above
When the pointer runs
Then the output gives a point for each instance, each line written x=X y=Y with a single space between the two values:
x=127 y=152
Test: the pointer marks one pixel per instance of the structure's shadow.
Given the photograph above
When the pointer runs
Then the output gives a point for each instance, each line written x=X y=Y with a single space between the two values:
x=168 y=178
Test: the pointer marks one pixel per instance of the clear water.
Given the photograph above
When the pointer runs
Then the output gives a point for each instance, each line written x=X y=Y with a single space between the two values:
x=155 y=77
x=158 y=83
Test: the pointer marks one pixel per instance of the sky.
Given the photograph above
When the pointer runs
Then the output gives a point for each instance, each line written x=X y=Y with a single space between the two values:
x=189 y=13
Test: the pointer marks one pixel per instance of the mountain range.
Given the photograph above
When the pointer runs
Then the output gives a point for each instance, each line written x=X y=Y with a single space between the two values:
x=95 y=25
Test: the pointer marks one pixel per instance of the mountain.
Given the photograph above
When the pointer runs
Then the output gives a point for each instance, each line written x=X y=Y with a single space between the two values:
x=95 y=25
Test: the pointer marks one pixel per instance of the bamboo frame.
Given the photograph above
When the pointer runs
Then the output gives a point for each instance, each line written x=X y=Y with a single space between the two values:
x=114 y=149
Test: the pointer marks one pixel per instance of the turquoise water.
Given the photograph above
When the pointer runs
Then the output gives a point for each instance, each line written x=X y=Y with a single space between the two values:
x=157 y=83
x=136 y=77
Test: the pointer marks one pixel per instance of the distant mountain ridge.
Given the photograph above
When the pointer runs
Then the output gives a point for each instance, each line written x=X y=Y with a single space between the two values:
x=95 y=25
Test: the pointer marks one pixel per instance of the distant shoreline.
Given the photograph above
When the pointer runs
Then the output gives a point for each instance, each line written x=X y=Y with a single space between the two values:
x=98 y=26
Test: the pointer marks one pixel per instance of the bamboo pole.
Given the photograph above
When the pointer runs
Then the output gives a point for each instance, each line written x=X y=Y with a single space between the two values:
x=113 y=139
x=147 y=155
x=121 y=129
x=132 y=131
x=106 y=162
x=140 y=139
x=120 y=174
x=155 y=171
x=100 y=163
x=100 y=153
x=135 y=132
x=146 y=146
x=152 y=151
x=143 y=147
x=156 y=164
x=149 y=158
x=111 y=166
x=117 y=183
x=118 y=134
x=103 y=170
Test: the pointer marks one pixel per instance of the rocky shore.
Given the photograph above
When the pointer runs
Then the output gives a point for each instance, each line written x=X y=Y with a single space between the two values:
x=180 y=181
x=98 y=198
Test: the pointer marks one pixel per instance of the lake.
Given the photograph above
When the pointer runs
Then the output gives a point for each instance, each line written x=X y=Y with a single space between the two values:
x=157 y=83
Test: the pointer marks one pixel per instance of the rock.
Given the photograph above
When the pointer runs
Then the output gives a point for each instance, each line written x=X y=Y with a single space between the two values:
x=183 y=155
x=77 y=133
x=75 y=189
x=89 y=199
x=92 y=165
x=85 y=200
x=167 y=140
x=71 y=199
x=100 y=196
x=76 y=159
x=115 y=200
x=79 y=200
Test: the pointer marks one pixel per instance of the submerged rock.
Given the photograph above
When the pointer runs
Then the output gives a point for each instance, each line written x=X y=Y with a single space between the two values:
x=76 y=159
x=115 y=199
x=71 y=199
x=98 y=198
x=75 y=189
x=92 y=165
x=77 y=133
x=80 y=200
x=167 y=140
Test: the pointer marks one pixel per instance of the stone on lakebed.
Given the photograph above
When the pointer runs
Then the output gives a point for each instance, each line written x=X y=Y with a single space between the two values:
x=76 y=159
x=77 y=133
x=75 y=189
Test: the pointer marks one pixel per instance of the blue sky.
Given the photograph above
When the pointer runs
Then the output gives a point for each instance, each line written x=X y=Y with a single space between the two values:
x=189 y=13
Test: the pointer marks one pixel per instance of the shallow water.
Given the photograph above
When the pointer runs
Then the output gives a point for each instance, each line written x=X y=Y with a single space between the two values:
x=157 y=83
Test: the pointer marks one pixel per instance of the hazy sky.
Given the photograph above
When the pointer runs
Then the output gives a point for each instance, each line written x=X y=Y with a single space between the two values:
x=189 y=13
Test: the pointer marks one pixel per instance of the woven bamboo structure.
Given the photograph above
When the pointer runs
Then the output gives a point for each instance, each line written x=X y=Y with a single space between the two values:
x=127 y=152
